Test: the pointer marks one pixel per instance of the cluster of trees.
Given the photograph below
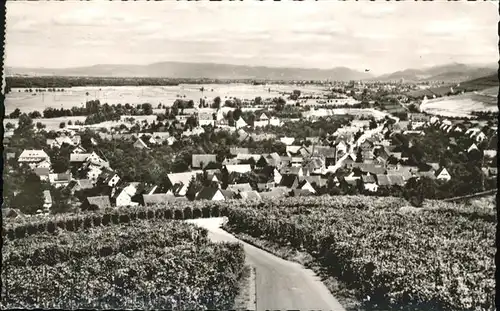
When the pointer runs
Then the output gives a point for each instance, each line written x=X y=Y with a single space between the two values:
x=23 y=189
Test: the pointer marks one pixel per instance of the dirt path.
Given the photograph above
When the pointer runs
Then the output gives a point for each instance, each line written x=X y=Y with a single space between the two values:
x=280 y=284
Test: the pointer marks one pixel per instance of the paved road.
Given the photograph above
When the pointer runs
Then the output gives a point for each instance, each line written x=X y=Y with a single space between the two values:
x=281 y=284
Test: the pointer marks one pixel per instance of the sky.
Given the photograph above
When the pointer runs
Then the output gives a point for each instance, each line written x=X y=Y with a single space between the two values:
x=380 y=36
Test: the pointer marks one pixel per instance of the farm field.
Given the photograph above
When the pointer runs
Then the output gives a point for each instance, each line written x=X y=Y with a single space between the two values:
x=462 y=105
x=150 y=264
x=165 y=95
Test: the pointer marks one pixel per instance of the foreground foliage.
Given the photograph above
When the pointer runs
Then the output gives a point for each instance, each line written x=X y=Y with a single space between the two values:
x=438 y=258
x=147 y=265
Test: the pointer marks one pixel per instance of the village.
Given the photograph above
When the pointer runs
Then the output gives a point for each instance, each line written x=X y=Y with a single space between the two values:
x=370 y=152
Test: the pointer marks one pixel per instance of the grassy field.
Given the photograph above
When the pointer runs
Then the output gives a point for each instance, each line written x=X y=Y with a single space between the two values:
x=134 y=95
x=462 y=105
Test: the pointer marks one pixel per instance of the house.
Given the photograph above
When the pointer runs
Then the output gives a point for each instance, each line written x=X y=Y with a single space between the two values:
x=277 y=192
x=160 y=137
x=60 y=180
x=480 y=137
x=42 y=173
x=242 y=157
x=31 y=157
x=370 y=183
x=315 y=166
x=171 y=140
x=250 y=195
x=95 y=203
x=235 y=151
x=47 y=203
x=93 y=173
x=293 y=150
x=214 y=194
x=237 y=188
x=306 y=185
x=442 y=174
x=140 y=144
x=366 y=168
x=287 y=140
x=179 y=182
x=44 y=164
x=327 y=153
x=289 y=181
x=242 y=135
x=79 y=184
x=428 y=174
x=301 y=193
x=206 y=117
x=472 y=147
x=123 y=195
x=78 y=158
x=275 y=121
x=79 y=149
x=240 y=123
x=293 y=170
x=109 y=178
x=261 y=121
x=238 y=168
x=390 y=180
x=315 y=181
x=160 y=198
x=202 y=160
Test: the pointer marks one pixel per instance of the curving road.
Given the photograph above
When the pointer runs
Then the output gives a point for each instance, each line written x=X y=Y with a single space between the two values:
x=280 y=284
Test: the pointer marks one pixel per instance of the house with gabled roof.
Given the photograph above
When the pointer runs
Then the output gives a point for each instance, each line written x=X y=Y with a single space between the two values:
x=237 y=188
x=108 y=177
x=240 y=123
x=472 y=147
x=214 y=194
x=442 y=174
x=31 y=157
x=160 y=198
x=242 y=135
x=179 y=182
x=287 y=140
x=79 y=184
x=274 y=193
x=78 y=149
x=250 y=195
x=238 y=168
x=123 y=194
x=235 y=151
x=60 y=180
x=370 y=183
x=289 y=181
x=140 y=144
x=306 y=185
x=95 y=203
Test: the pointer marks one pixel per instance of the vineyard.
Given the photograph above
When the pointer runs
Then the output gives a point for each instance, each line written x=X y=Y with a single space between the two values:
x=151 y=264
x=438 y=258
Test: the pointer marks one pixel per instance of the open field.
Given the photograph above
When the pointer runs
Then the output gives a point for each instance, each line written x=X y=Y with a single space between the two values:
x=462 y=105
x=134 y=95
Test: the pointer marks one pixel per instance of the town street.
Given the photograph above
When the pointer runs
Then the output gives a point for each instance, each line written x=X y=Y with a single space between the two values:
x=281 y=284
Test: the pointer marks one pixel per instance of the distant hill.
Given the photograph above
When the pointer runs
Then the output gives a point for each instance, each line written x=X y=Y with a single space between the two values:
x=479 y=84
x=198 y=70
x=447 y=73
